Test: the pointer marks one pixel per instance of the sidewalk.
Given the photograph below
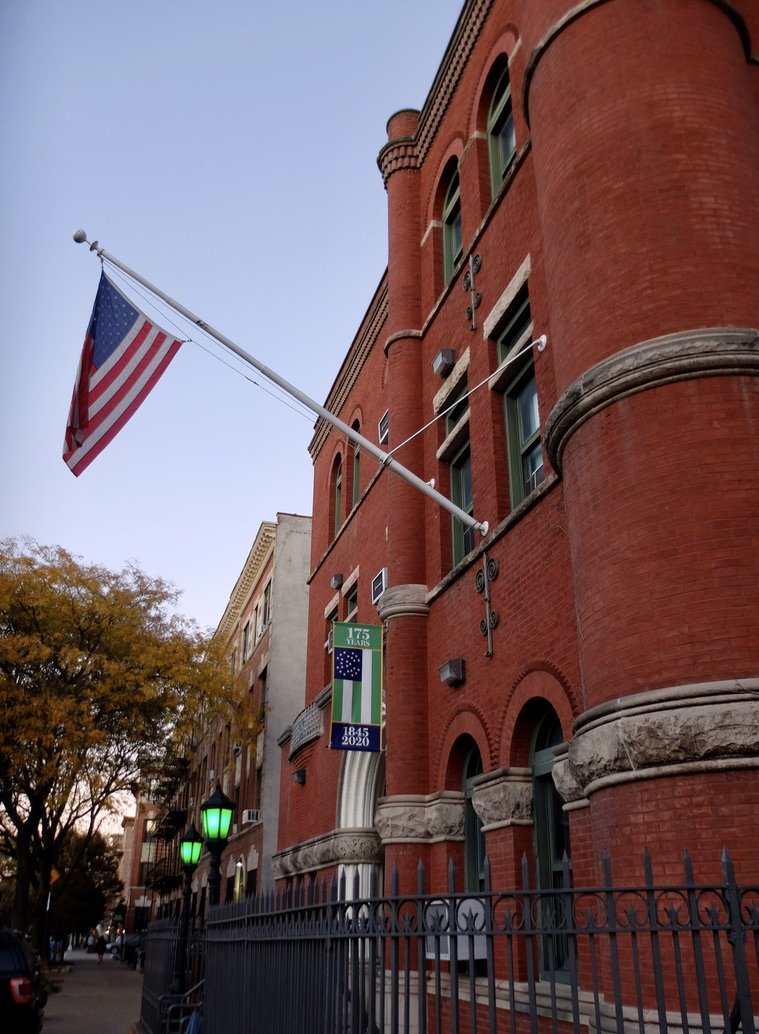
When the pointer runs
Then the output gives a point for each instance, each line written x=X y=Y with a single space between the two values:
x=94 y=998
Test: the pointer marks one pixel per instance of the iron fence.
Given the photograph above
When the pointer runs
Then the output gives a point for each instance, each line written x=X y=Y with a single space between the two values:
x=653 y=957
x=169 y=997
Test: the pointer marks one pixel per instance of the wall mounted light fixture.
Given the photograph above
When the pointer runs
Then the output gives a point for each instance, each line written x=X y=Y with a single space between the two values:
x=453 y=672
x=299 y=776
x=444 y=362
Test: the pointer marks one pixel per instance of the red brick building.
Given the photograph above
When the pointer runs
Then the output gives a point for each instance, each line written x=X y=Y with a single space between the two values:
x=565 y=342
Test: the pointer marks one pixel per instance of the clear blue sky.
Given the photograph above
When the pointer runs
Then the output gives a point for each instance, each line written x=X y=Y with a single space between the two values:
x=226 y=151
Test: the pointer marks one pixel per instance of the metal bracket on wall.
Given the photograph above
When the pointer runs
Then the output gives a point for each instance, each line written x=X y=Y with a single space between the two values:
x=482 y=581
x=468 y=283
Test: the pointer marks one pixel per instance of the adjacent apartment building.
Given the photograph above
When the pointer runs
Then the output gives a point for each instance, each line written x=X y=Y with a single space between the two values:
x=264 y=629
x=564 y=343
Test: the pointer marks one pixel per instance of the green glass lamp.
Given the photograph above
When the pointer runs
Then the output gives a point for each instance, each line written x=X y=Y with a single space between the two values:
x=216 y=816
x=190 y=847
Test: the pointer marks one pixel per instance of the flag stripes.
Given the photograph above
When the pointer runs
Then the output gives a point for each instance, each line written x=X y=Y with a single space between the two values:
x=356 y=687
x=124 y=356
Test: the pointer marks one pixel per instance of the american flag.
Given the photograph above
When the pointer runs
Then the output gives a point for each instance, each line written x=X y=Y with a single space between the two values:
x=123 y=357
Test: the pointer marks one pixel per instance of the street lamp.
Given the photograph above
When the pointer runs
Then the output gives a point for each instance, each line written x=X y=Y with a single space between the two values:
x=189 y=854
x=216 y=818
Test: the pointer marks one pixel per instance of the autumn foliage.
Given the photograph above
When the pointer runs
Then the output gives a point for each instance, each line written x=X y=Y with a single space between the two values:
x=100 y=677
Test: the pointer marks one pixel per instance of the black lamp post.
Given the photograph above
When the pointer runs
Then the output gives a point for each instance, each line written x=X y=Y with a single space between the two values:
x=189 y=853
x=216 y=818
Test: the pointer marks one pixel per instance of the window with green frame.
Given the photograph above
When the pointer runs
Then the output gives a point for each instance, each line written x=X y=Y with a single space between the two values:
x=452 y=235
x=461 y=495
x=460 y=466
x=515 y=331
x=337 y=495
x=500 y=128
x=526 y=470
x=356 y=483
x=474 y=838
x=351 y=603
x=551 y=832
x=456 y=405
x=524 y=449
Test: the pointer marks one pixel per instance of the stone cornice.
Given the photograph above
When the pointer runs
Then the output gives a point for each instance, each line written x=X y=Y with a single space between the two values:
x=249 y=575
x=703 y=727
x=711 y=352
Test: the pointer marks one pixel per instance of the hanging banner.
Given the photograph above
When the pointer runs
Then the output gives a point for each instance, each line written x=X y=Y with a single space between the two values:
x=356 y=687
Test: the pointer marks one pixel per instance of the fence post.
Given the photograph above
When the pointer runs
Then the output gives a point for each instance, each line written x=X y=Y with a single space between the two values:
x=737 y=939
x=530 y=941
x=421 y=962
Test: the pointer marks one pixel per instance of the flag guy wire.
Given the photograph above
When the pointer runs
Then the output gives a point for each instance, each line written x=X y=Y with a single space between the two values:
x=385 y=459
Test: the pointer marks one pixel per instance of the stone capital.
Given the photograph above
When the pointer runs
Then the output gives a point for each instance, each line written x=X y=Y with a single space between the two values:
x=340 y=847
x=409 y=818
x=504 y=798
x=403 y=601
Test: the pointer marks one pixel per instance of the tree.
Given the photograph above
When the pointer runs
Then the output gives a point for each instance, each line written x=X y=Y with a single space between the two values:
x=100 y=677
x=86 y=892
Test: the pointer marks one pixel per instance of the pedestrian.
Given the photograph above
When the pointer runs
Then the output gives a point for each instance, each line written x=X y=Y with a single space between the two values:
x=100 y=947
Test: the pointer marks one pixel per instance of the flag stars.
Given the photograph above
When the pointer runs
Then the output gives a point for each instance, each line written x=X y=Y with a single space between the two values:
x=348 y=663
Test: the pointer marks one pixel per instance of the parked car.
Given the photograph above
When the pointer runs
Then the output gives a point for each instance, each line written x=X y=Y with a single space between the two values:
x=22 y=995
x=127 y=947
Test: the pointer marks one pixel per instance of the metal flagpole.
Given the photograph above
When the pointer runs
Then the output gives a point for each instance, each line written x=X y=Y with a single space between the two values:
x=385 y=459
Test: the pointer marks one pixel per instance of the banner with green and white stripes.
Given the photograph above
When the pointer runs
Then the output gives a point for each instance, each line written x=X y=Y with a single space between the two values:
x=356 y=687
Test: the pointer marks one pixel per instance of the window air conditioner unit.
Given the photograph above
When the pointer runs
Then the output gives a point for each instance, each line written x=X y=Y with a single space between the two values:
x=236 y=749
x=379 y=584
x=211 y=775
x=251 y=816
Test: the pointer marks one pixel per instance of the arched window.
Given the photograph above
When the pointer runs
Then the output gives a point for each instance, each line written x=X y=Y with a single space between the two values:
x=474 y=838
x=337 y=495
x=356 y=486
x=551 y=831
x=452 y=236
x=501 y=139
